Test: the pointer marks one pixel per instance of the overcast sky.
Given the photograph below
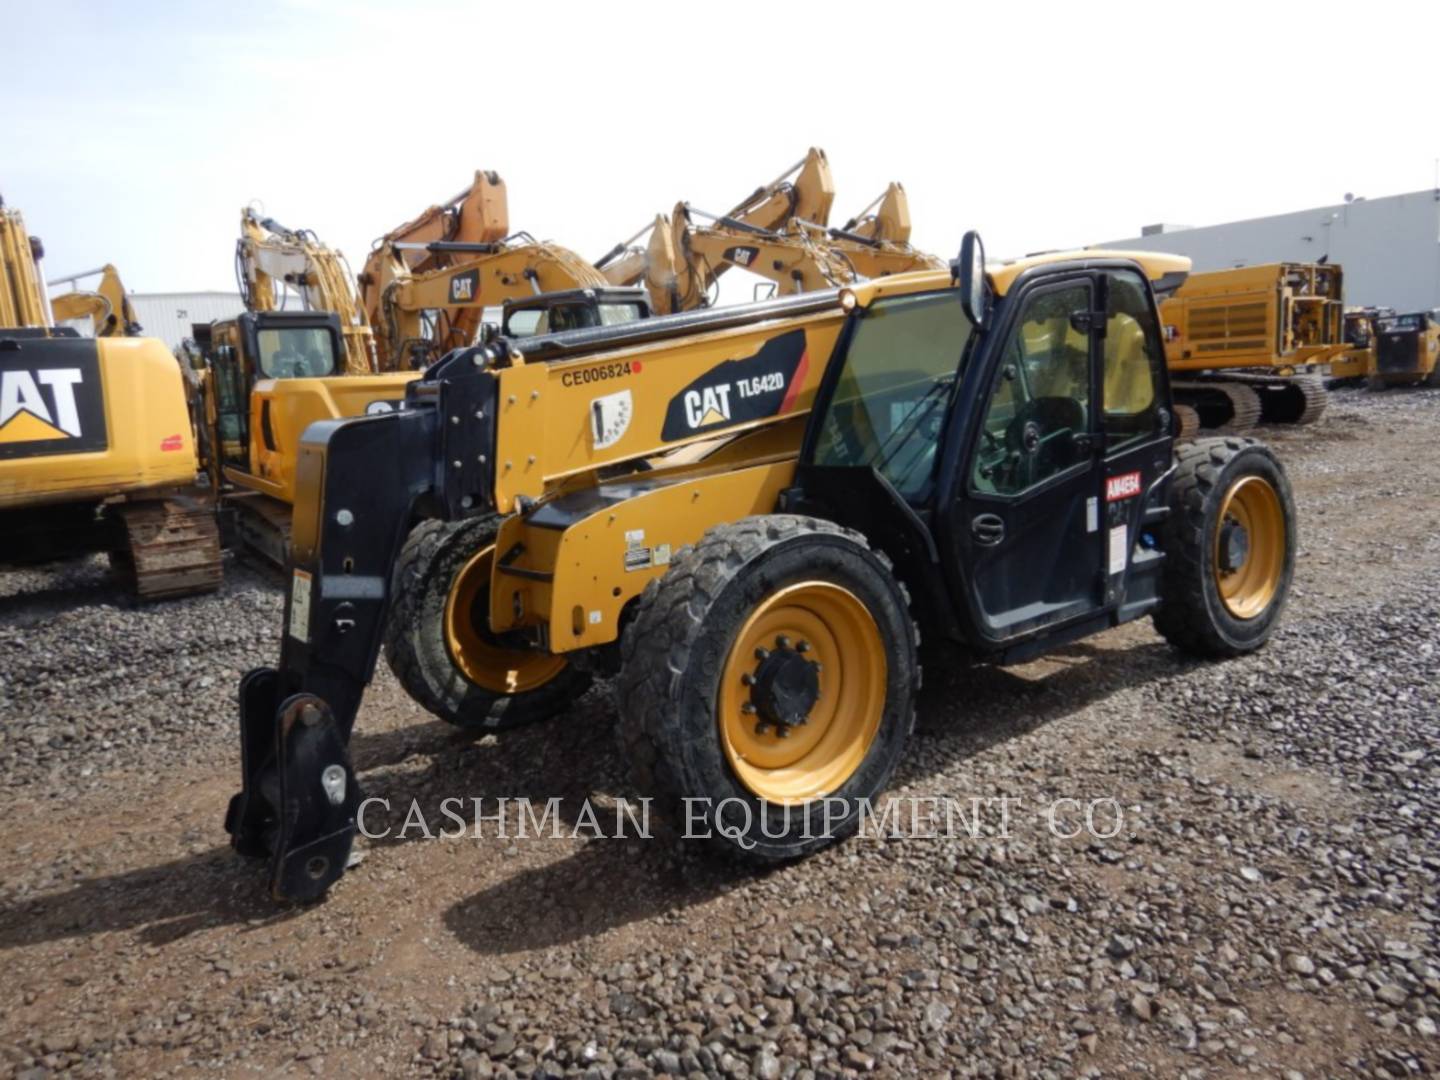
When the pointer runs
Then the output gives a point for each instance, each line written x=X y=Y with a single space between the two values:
x=133 y=133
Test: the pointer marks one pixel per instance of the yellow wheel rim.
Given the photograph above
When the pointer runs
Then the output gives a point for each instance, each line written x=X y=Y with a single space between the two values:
x=475 y=651
x=829 y=626
x=1249 y=547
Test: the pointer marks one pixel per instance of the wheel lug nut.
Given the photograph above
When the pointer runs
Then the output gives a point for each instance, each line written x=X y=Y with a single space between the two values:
x=803 y=647
x=782 y=731
x=748 y=708
x=762 y=653
x=819 y=668
x=782 y=642
x=748 y=679
x=761 y=728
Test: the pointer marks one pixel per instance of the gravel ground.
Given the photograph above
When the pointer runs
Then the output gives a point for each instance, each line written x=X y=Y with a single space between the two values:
x=1266 y=905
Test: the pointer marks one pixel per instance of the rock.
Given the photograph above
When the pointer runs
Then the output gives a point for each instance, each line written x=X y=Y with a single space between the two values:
x=1140 y=1006
x=1300 y=964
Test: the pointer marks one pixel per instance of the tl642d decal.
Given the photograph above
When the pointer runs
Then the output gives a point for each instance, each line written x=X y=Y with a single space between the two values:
x=739 y=391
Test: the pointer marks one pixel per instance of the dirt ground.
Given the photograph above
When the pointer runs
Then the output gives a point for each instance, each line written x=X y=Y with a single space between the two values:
x=1268 y=908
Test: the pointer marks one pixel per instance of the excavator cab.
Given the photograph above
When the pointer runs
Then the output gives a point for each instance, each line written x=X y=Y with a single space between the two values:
x=573 y=309
x=240 y=352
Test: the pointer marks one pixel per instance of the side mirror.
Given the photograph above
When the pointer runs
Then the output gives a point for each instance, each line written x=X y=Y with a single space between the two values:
x=968 y=271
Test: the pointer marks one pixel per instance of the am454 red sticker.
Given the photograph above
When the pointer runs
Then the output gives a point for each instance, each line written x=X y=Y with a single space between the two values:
x=1124 y=486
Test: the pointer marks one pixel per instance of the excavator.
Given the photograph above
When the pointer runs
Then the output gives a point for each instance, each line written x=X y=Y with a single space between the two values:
x=107 y=307
x=96 y=447
x=268 y=374
x=747 y=517
x=686 y=252
x=1253 y=344
x=271 y=259
x=427 y=284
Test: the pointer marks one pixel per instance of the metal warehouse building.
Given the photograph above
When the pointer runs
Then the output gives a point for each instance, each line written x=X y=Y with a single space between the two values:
x=168 y=316
x=1389 y=247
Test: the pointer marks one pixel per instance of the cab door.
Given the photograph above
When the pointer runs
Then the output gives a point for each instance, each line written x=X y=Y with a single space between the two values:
x=1027 y=518
x=231 y=384
x=1137 y=436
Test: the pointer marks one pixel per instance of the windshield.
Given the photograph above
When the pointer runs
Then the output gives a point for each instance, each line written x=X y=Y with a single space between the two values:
x=1399 y=322
x=528 y=322
x=296 y=352
x=893 y=391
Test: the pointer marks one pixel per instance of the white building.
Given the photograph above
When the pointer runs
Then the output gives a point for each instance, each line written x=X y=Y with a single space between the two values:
x=168 y=316
x=1389 y=247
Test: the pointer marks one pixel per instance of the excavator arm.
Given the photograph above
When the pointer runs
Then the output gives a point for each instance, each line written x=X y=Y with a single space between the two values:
x=108 y=307
x=457 y=295
x=269 y=257
x=22 y=291
x=687 y=252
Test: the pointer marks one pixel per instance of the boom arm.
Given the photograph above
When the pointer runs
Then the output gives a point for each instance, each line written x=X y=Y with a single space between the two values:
x=268 y=254
x=22 y=291
x=108 y=307
x=459 y=293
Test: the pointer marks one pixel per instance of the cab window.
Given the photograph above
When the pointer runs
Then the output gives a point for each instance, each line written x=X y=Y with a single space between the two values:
x=1040 y=401
x=296 y=352
x=894 y=388
x=1133 y=358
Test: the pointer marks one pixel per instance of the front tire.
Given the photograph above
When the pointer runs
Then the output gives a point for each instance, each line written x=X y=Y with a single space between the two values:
x=768 y=625
x=1229 y=548
x=438 y=644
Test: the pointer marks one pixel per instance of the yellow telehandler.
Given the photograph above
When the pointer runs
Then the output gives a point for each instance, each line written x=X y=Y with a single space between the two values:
x=744 y=514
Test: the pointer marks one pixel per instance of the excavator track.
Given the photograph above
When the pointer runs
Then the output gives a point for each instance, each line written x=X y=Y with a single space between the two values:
x=1187 y=422
x=1289 y=399
x=169 y=547
x=1226 y=406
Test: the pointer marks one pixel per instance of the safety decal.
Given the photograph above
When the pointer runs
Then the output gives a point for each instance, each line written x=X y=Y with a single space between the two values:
x=610 y=418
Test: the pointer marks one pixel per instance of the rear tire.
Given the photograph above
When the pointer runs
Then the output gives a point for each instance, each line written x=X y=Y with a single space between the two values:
x=1229 y=548
x=423 y=657
x=808 y=588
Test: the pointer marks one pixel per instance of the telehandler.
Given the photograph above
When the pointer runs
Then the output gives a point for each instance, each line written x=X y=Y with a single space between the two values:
x=749 y=515
x=1407 y=350
x=96 y=447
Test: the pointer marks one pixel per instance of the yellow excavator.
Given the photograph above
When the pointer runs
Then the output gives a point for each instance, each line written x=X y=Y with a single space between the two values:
x=427 y=284
x=1255 y=343
x=683 y=258
x=267 y=375
x=271 y=261
x=107 y=306
x=96 y=447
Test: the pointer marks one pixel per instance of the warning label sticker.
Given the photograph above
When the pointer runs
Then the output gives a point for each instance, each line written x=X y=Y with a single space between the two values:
x=300 y=606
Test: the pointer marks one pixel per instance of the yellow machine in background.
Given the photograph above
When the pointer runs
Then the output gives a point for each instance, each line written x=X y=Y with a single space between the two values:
x=22 y=290
x=426 y=284
x=263 y=378
x=1254 y=343
x=96 y=448
x=269 y=258
x=1407 y=350
x=1359 y=355
x=779 y=234
x=107 y=307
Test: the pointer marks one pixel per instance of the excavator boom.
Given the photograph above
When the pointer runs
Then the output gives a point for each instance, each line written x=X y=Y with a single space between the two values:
x=269 y=258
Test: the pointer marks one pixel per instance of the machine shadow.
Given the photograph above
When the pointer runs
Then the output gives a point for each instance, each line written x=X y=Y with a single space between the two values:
x=165 y=902
x=611 y=883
